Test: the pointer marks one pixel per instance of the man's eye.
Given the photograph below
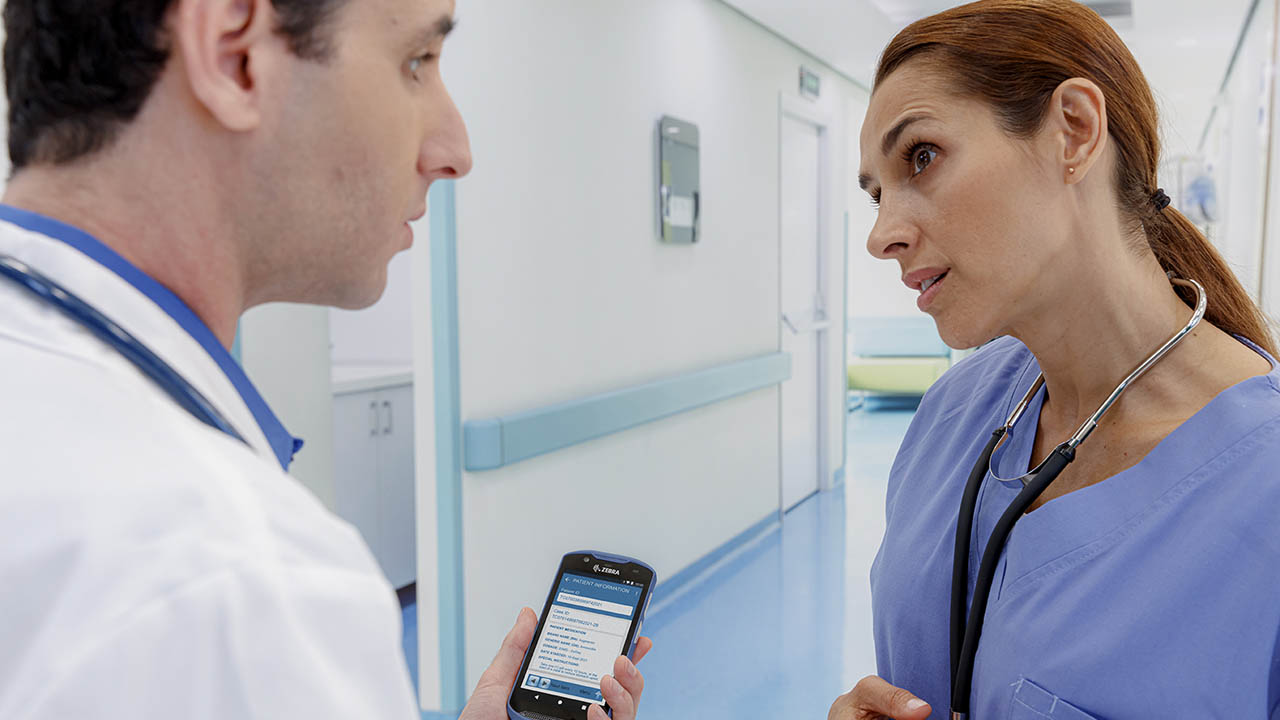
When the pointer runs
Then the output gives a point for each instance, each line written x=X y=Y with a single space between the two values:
x=416 y=64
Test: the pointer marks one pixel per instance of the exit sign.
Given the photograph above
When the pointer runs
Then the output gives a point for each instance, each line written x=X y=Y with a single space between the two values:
x=810 y=83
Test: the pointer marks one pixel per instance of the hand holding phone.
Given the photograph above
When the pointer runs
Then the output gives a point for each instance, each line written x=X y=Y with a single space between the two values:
x=489 y=702
x=593 y=614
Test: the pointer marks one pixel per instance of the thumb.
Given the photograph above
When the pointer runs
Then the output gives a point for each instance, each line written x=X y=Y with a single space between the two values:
x=501 y=673
x=873 y=696
x=907 y=706
x=910 y=706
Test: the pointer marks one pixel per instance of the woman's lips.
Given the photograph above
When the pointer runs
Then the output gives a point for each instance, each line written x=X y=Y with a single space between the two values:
x=927 y=297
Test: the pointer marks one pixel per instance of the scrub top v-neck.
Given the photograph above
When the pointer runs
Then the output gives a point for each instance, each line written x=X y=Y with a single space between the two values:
x=1153 y=593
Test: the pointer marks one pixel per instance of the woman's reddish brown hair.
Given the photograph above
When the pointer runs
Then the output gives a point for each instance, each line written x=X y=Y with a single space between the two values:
x=1013 y=54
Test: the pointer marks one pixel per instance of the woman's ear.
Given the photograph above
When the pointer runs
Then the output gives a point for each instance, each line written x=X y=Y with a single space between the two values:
x=1077 y=125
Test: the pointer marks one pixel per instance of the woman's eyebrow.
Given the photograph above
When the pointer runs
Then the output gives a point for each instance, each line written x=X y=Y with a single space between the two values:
x=891 y=137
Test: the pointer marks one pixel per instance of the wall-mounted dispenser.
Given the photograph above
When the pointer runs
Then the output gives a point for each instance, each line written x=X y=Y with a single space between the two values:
x=679 y=195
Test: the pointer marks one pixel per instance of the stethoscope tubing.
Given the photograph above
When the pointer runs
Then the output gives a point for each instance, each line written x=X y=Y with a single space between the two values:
x=964 y=533
x=966 y=628
x=157 y=370
x=972 y=630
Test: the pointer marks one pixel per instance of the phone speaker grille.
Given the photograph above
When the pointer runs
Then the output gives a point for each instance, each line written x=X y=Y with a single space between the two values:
x=539 y=716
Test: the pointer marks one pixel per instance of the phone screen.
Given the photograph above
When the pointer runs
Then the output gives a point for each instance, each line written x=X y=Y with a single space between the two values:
x=588 y=622
x=585 y=631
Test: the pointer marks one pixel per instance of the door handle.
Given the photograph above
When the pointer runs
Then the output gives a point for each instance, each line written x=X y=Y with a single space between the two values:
x=387 y=430
x=374 y=420
x=819 y=323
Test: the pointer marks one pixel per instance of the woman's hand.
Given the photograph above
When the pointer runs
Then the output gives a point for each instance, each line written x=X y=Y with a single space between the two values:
x=873 y=698
x=489 y=702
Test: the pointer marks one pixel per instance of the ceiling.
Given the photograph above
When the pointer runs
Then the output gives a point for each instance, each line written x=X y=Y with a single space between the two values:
x=1183 y=46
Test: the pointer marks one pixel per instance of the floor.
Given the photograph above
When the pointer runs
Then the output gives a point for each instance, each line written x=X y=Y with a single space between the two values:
x=782 y=625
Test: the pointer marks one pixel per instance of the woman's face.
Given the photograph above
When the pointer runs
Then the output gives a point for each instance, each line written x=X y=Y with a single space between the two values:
x=975 y=218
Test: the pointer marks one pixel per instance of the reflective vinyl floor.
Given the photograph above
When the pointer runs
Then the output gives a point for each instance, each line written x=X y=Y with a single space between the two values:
x=781 y=625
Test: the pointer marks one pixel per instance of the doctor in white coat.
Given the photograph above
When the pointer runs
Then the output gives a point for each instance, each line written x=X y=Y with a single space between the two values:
x=177 y=162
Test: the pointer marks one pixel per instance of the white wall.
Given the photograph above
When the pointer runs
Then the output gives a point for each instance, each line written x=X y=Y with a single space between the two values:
x=378 y=335
x=284 y=349
x=565 y=291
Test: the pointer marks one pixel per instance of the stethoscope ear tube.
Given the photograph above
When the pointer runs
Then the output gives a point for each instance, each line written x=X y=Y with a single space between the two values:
x=962 y=662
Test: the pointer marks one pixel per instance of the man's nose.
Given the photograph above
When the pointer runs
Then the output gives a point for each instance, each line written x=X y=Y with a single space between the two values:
x=446 y=153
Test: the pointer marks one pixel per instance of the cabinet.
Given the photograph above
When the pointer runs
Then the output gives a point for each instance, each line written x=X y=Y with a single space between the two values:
x=373 y=472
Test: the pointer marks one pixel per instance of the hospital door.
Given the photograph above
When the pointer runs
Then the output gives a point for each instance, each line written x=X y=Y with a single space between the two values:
x=804 y=318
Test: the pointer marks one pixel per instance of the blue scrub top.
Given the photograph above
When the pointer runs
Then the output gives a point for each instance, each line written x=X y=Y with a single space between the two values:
x=1152 y=594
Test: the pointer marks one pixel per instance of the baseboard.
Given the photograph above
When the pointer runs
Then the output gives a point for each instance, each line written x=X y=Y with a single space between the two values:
x=676 y=583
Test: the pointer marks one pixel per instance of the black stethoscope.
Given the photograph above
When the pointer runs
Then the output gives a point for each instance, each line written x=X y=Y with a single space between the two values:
x=84 y=314
x=965 y=633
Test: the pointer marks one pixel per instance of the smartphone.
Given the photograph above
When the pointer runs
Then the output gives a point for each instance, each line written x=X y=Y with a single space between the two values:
x=593 y=614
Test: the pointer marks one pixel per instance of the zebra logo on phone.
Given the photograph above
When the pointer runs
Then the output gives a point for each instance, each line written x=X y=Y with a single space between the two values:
x=606 y=570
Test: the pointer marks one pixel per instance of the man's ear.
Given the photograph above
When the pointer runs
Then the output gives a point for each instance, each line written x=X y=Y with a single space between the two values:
x=224 y=48
x=1077 y=121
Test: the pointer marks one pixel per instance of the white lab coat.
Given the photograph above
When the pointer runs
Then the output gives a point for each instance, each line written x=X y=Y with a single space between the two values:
x=153 y=567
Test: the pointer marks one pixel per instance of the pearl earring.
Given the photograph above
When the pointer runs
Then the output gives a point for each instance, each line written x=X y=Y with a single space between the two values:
x=1071 y=170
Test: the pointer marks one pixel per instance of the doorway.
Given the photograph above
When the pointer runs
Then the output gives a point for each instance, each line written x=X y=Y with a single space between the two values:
x=804 y=324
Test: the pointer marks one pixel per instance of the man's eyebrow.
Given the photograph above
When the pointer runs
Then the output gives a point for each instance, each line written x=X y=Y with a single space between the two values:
x=436 y=31
x=891 y=137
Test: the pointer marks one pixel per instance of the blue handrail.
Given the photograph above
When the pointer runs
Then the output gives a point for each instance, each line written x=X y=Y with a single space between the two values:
x=501 y=441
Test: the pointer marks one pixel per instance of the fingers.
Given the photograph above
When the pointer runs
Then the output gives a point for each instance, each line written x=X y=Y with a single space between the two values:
x=873 y=697
x=625 y=673
x=619 y=698
x=642 y=648
x=502 y=671
x=622 y=689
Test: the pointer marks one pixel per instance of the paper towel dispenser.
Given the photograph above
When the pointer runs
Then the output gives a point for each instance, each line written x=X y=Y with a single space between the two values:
x=679 y=196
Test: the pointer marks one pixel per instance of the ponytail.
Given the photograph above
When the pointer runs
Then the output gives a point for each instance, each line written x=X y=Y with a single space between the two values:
x=1183 y=250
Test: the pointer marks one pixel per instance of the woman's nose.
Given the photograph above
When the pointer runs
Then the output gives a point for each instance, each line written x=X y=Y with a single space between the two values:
x=891 y=236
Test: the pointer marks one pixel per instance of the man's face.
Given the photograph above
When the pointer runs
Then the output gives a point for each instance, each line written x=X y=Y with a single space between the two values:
x=349 y=147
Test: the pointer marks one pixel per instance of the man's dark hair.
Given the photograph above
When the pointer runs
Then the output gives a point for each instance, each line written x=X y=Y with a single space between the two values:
x=76 y=71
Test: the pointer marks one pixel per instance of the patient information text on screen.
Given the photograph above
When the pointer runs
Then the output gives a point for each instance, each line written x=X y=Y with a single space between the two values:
x=585 y=631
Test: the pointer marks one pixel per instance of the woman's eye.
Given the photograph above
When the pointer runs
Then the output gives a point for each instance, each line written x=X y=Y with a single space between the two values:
x=921 y=158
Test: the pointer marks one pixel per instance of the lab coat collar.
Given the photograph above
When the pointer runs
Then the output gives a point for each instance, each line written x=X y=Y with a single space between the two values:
x=280 y=442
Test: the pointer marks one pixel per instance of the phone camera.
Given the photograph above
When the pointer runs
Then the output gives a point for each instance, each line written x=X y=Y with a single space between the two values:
x=586 y=559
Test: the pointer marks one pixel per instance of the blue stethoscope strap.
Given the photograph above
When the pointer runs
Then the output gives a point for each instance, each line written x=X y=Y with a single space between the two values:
x=85 y=315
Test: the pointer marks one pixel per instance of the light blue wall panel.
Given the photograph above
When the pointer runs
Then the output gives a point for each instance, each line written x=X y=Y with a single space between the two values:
x=444 y=323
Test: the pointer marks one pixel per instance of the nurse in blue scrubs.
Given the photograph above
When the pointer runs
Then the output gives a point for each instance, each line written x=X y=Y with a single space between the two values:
x=1012 y=148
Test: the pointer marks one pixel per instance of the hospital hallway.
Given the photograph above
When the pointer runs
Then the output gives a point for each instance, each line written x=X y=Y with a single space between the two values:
x=781 y=625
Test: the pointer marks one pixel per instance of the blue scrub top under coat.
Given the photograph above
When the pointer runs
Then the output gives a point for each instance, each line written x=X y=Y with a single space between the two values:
x=1154 y=593
x=283 y=444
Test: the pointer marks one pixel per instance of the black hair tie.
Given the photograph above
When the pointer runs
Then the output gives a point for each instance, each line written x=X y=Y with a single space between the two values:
x=1160 y=200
